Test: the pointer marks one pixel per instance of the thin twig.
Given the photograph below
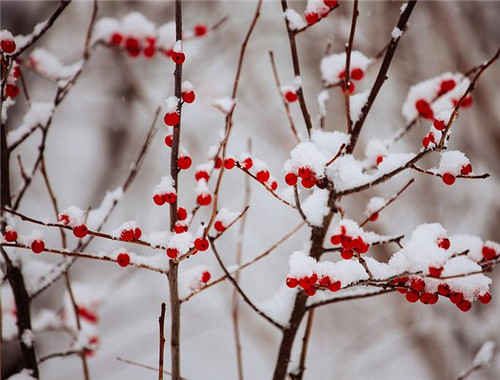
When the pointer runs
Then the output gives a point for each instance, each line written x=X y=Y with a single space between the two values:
x=467 y=176
x=347 y=77
x=161 y=322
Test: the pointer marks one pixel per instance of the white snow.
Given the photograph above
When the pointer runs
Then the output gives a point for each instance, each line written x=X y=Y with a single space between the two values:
x=38 y=114
x=315 y=207
x=166 y=186
x=96 y=216
x=452 y=162
x=357 y=103
x=171 y=104
x=225 y=104
x=25 y=374
x=396 y=33
x=49 y=65
x=333 y=65
x=182 y=242
x=375 y=204
x=295 y=21
x=484 y=356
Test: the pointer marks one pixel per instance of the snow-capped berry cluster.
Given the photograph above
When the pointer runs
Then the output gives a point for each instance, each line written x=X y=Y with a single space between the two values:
x=10 y=234
x=351 y=242
x=203 y=195
x=193 y=279
x=165 y=191
x=318 y=9
x=8 y=46
x=223 y=219
x=128 y=231
x=7 y=43
x=308 y=159
x=452 y=164
x=179 y=244
x=136 y=34
x=333 y=68
x=289 y=92
x=74 y=217
x=373 y=206
x=432 y=96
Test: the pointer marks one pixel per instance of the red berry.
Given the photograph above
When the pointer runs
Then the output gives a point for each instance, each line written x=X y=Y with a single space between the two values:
x=123 y=260
x=291 y=282
x=178 y=57
x=357 y=74
x=170 y=197
x=424 y=109
x=425 y=298
x=205 y=276
x=8 y=46
x=456 y=297
x=219 y=226
x=263 y=176
x=131 y=43
x=417 y=284
x=184 y=162
x=37 y=246
x=202 y=174
x=466 y=102
x=433 y=299
x=204 y=199
x=312 y=18
x=308 y=182
x=218 y=163
x=380 y=159
x=149 y=52
x=247 y=163
x=374 y=217
x=313 y=278
x=304 y=282
x=137 y=233
x=346 y=254
x=426 y=141
x=135 y=52
x=126 y=235
x=310 y=291
x=335 y=286
x=274 y=185
x=10 y=235
x=448 y=179
x=363 y=248
x=325 y=281
x=488 y=253
x=88 y=315
x=305 y=173
x=351 y=88
x=200 y=30
x=439 y=125
x=229 y=163
x=466 y=169
x=291 y=179
x=172 y=253
x=347 y=242
x=80 y=231
x=336 y=239
x=446 y=85
x=11 y=90
x=464 y=305
x=291 y=96
x=16 y=72
x=159 y=199
x=412 y=296
x=188 y=96
x=322 y=183
x=171 y=118
x=179 y=228
x=435 y=272
x=485 y=298
x=168 y=140
x=201 y=244
x=181 y=213
x=116 y=39
x=330 y=3
x=444 y=289
x=444 y=243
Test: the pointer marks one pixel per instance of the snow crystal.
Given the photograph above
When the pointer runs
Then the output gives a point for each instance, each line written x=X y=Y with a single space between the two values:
x=48 y=64
x=396 y=33
x=165 y=186
x=323 y=97
x=452 y=162
x=315 y=207
x=38 y=114
x=171 y=104
x=137 y=25
x=375 y=204
x=295 y=21
x=485 y=354
x=28 y=338
x=225 y=104
x=357 y=102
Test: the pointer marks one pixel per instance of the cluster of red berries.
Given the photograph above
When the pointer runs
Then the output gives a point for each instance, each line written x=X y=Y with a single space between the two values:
x=130 y=234
x=310 y=284
x=356 y=74
x=350 y=244
x=449 y=178
x=313 y=17
x=200 y=244
x=11 y=88
x=308 y=178
x=262 y=175
x=80 y=231
x=415 y=289
x=135 y=46
x=161 y=199
x=94 y=341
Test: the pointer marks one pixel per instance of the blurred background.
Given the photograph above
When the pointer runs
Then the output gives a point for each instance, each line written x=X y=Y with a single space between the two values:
x=99 y=128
